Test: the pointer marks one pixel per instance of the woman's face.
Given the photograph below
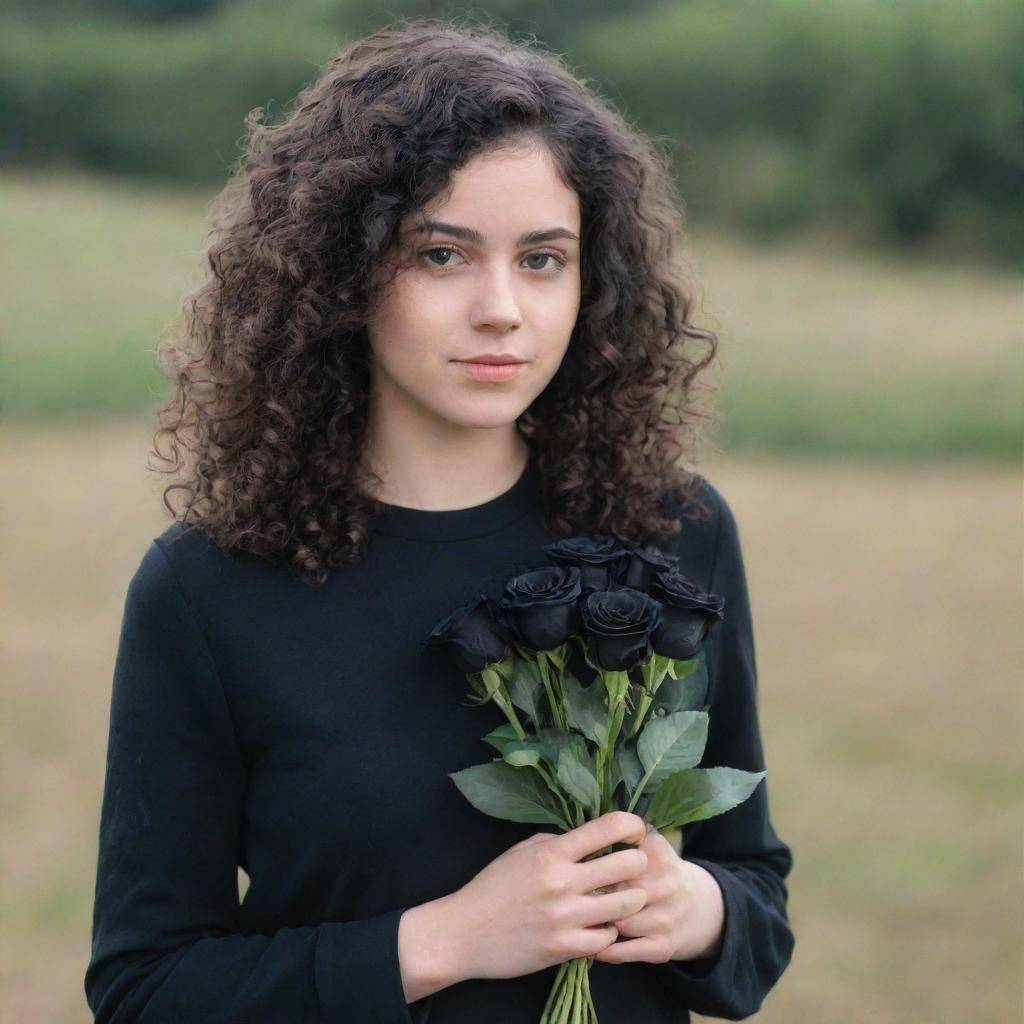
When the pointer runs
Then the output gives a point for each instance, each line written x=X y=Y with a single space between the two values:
x=459 y=295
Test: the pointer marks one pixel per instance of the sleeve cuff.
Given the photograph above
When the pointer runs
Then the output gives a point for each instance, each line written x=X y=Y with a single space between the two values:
x=358 y=974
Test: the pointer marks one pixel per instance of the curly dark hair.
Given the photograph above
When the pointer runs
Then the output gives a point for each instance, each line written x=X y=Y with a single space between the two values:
x=270 y=356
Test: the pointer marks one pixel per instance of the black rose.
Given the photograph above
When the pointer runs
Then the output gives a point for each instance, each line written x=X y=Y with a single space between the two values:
x=639 y=568
x=472 y=634
x=540 y=606
x=598 y=558
x=687 y=614
x=618 y=624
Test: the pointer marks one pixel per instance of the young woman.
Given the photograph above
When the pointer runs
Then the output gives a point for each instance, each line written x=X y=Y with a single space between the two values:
x=444 y=326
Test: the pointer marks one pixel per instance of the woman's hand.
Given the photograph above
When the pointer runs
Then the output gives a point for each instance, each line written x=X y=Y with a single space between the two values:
x=535 y=906
x=683 y=917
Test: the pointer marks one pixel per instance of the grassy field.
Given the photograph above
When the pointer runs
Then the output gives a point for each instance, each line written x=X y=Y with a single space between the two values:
x=822 y=351
x=887 y=616
x=872 y=411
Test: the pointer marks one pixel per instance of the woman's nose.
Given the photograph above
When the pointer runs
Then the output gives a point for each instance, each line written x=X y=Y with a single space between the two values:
x=496 y=304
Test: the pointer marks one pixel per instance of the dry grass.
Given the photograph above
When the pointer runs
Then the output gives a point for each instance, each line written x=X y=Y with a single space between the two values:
x=887 y=617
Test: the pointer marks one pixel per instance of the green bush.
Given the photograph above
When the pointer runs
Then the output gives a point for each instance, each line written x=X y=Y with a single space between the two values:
x=898 y=123
x=167 y=104
x=902 y=120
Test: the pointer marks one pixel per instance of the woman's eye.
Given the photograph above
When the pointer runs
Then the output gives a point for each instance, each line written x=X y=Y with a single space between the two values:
x=559 y=262
x=437 y=249
x=448 y=251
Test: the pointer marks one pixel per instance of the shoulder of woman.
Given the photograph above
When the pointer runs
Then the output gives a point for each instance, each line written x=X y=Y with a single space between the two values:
x=704 y=519
x=196 y=564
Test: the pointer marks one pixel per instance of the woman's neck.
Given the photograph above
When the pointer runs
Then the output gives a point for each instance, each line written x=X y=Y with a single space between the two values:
x=443 y=477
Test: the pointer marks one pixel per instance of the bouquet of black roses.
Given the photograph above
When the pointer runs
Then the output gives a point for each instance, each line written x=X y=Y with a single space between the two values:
x=631 y=739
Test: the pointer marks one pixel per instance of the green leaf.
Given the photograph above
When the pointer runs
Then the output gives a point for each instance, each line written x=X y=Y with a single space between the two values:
x=682 y=669
x=531 y=752
x=522 y=753
x=498 y=738
x=685 y=693
x=544 y=744
x=551 y=740
x=586 y=709
x=576 y=774
x=668 y=744
x=509 y=793
x=628 y=768
x=526 y=688
x=694 y=794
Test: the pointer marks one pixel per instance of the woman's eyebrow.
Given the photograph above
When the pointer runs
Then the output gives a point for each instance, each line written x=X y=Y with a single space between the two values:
x=472 y=235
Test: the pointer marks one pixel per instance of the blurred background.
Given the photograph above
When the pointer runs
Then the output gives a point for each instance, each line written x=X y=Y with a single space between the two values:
x=852 y=172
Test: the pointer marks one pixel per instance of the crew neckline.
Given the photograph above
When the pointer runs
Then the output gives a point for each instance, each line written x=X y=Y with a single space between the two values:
x=461 y=523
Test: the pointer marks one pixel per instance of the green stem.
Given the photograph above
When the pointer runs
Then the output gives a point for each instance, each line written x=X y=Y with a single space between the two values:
x=614 y=725
x=504 y=701
x=557 y=714
x=638 y=792
x=561 y=1013
x=554 y=787
x=652 y=669
x=577 y=993
x=549 y=1006
x=556 y=682
x=639 y=789
x=620 y=714
x=567 y=984
x=592 y=1014
x=605 y=750
x=638 y=719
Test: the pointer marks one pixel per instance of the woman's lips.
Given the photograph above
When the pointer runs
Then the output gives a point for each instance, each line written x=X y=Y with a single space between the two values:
x=496 y=372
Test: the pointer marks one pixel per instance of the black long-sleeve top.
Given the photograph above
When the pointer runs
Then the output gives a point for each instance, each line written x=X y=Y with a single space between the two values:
x=304 y=734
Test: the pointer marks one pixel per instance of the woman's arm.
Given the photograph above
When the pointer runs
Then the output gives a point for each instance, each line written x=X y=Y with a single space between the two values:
x=428 y=948
x=166 y=941
x=739 y=848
